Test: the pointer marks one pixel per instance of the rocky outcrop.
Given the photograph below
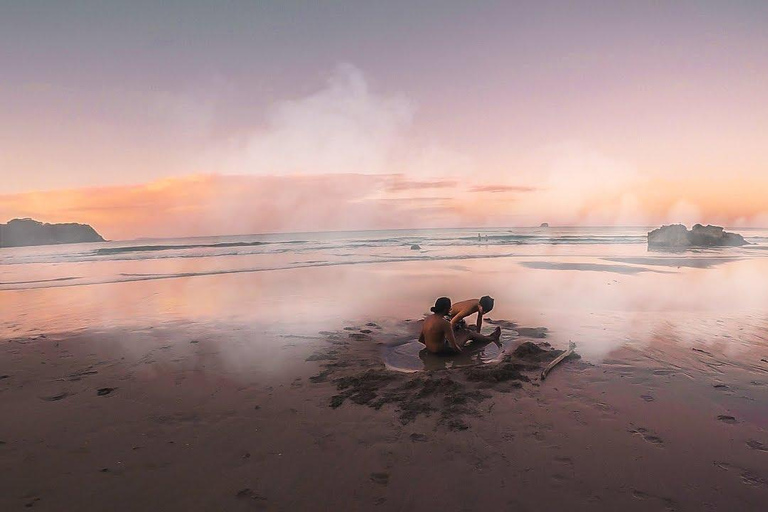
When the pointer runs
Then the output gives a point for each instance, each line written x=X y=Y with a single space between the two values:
x=544 y=225
x=23 y=232
x=678 y=236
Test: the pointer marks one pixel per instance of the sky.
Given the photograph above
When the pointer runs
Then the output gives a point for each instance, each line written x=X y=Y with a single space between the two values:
x=182 y=118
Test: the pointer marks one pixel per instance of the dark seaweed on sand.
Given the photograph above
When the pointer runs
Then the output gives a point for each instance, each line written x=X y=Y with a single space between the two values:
x=413 y=397
x=452 y=394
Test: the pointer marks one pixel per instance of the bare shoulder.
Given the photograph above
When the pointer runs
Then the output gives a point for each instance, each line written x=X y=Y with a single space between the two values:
x=462 y=305
x=432 y=322
x=468 y=305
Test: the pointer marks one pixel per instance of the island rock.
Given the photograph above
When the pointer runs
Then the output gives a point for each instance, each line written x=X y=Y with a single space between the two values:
x=678 y=236
x=23 y=232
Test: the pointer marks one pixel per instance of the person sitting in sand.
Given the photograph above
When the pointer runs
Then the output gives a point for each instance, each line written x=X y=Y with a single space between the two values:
x=463 y=309
x=440 y=336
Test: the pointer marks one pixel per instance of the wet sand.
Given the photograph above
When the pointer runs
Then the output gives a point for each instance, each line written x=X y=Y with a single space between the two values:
x=270 y=390
x=192 y=416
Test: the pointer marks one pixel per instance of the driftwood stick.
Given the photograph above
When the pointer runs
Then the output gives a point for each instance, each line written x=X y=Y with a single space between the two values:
x=558 y=359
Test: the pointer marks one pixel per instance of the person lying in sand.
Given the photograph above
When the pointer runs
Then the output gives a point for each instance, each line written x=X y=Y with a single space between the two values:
x=463 y=309
x=440 y=336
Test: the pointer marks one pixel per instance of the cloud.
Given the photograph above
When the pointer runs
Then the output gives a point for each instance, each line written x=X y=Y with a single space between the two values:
x=684 y=212
x=500 y=189
x=581 y=185
x=400 y=183
x=219 y=205
x=345 y=127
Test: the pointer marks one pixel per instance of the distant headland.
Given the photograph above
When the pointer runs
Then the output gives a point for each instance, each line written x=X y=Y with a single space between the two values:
x=25 y=232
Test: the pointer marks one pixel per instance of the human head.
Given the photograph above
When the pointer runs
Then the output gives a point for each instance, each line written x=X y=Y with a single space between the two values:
x=486 y=303
x=442 y=306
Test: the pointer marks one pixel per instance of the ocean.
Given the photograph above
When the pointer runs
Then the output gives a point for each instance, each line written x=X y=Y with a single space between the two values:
x=599 y=286
x=167 y=258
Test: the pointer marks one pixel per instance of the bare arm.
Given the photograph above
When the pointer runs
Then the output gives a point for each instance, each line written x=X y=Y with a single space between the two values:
x=479 y=319
x=458 y=317
x=450 y=337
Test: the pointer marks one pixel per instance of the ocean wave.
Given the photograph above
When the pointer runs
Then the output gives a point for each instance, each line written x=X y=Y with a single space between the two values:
x=152 y=248
x=130 y=276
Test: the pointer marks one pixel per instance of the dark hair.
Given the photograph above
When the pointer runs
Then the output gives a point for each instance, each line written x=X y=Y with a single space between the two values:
x=487 y=303
x=442 y=306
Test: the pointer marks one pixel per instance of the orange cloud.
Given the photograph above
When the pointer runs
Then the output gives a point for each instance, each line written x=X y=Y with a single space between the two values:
x=218 y=205
x=400 y=183
x=224 y=204
x=496 y=189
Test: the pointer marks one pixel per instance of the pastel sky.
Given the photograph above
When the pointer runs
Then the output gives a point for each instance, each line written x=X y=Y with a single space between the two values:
x=186 y=117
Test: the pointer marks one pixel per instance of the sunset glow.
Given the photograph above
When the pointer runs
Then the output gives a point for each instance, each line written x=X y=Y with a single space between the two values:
x=537 y=118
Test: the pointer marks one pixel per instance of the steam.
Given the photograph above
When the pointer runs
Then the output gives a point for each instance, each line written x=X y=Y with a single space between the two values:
x=345 y=127
x=345 y=156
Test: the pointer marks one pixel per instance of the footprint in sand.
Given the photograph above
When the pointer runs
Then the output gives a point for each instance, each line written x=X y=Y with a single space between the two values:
x=55 y=398
x=748 y=477
x=727 y=419
x=725 y=466
x=249 y=494
x=669 y=503
x=31 y=503
x=380 y=478
x=757 y=445
x=418 y=438
x=647 y=398
x=647 y=436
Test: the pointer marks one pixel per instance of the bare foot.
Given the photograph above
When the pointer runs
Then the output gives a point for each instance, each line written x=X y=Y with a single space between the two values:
x=496 y=334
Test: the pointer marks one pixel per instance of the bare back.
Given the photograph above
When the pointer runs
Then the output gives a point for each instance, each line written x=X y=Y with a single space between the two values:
x=436 y=334
x=464 y=308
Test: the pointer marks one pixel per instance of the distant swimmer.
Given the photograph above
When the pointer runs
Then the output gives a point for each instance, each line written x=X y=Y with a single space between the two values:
x=465 y=308
x=440 y=336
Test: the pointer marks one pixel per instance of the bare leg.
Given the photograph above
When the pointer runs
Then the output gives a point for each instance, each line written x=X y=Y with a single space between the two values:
x=476 y=336
x=463 y=336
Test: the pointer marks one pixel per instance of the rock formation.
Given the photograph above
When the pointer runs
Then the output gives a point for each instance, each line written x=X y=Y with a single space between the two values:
x=677 y=236
x=23 y=232
x=544 y=225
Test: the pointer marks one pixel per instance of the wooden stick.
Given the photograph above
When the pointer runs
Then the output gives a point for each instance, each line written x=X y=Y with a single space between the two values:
x=545 y=371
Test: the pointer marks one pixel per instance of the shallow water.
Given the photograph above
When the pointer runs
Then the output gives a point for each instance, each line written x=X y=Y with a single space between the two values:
x=412 y=356
x=601 y=296
x=139 y=260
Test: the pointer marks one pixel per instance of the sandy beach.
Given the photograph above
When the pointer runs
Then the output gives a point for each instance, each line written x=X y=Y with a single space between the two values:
x=227 y=392
x=245 y=248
